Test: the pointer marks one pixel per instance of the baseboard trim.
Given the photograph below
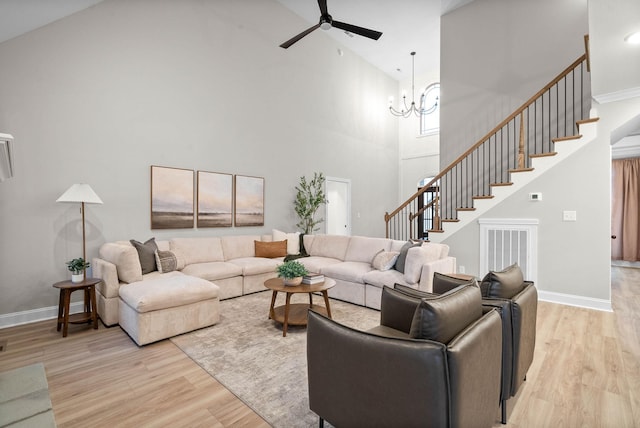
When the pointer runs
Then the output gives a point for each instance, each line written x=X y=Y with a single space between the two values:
x=34 y=315
x=573 y=300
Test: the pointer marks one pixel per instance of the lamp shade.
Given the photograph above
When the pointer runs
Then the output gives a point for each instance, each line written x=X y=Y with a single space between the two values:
x=80 y=193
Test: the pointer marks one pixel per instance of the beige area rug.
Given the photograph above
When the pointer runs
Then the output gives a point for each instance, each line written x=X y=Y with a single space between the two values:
x=248 y=355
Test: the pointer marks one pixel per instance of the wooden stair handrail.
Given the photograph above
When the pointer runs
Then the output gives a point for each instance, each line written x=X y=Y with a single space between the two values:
x=512 y=116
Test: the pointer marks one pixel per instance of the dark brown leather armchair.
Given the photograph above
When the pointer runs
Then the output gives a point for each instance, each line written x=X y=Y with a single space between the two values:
x=387 y=378
x=517 y=302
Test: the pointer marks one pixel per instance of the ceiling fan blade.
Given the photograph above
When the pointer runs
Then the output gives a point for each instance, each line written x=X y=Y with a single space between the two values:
x=323 y=7
x=372 y=34
x=294 y=39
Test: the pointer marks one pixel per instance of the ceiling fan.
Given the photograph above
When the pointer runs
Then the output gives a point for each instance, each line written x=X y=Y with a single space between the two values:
x=326 y=22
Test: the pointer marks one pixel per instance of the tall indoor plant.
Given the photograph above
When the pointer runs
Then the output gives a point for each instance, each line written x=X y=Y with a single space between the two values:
x=308 y=199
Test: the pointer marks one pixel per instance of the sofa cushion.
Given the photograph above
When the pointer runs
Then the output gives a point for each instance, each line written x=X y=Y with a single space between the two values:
x=166 y=261
x=213 y=270
x=256 y=265
x=167 y=291
x=416 y=258
x=293 y=240
x=317 y=264
x=384 y=260
x=270 y=250
x=198 y=250
x=400 y=263
x=347 y=271
x=441 y=318
x=332 y=246
x=442 y=250
x=379 y=278
x=126 y=260
x=146 y=254
x=235 y=247
x=364 y=249
x=503 y=284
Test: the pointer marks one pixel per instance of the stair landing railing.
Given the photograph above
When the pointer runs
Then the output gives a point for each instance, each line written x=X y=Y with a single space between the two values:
x=550 y=116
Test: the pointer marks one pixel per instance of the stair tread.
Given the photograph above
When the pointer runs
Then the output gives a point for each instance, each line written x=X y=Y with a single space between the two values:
x=508 y=183
x=520 y=170
x=590 y=120
x=542 y=155
x=450 y=220
x=483 y=197
x=465 y=209
x=568 y=138
x=435 y=231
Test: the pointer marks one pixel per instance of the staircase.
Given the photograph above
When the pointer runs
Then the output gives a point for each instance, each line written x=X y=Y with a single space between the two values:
x=545 y=130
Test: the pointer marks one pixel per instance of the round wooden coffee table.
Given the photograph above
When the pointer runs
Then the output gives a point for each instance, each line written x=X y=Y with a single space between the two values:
x=296 y=314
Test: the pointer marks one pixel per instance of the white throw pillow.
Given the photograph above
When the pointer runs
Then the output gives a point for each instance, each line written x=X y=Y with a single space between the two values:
x=293 y=240
x=385 y=260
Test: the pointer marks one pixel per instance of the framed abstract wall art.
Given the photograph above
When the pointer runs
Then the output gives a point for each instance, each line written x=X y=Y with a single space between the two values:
x=215 y=199
x=249 y=201
x=171 y=198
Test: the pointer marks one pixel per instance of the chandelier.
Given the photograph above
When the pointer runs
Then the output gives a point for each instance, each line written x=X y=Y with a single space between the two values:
x=407 y=110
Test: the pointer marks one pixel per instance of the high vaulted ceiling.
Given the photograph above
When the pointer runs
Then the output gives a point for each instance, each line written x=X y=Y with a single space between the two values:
x=407 y=25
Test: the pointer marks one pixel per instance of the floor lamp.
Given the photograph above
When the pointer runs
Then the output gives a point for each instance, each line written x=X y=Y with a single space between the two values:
x=84 y=194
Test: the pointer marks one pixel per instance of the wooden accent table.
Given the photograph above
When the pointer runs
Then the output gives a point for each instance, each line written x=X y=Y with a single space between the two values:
x=296 y=314
x=89 y=315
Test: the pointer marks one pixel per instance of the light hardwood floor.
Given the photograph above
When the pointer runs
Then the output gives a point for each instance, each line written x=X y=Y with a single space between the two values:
x=585 y=373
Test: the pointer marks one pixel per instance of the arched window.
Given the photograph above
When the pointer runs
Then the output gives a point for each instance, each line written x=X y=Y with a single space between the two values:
x=430 y=110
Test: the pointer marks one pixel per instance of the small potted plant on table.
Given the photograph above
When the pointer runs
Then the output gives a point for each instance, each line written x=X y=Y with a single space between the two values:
x=77 y=268
x=291 y=272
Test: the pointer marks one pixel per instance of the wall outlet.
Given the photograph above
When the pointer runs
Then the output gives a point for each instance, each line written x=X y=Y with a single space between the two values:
x=461 y=269
x=569 y=216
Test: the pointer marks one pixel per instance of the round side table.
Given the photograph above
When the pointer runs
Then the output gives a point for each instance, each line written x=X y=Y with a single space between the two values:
x=88 y=315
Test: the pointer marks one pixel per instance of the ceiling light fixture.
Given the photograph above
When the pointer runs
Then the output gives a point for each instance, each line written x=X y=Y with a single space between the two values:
x=406 y=110
x=633 y=38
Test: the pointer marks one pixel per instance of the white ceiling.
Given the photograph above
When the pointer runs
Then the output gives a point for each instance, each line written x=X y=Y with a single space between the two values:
x=21 y=16
x=407 y=25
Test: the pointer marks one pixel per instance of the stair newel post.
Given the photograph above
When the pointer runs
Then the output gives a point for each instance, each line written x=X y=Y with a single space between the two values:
x=436 y=214
x=521 y=143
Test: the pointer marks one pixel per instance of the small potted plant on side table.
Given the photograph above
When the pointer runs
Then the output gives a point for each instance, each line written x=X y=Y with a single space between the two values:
x=292 y=272
x=77 y=268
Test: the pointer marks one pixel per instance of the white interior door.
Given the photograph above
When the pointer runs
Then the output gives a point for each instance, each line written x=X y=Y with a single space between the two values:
x=338 y=207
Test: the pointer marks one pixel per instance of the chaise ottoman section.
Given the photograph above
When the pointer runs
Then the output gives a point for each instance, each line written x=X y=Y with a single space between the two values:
x=166 y=306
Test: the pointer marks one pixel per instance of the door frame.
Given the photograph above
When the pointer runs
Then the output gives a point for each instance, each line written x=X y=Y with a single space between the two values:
x=346 y=181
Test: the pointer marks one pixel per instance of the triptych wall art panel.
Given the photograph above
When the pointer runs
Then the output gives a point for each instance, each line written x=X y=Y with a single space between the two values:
x=171 y=198
x=249 y=201
x=215 y=199
x=222 y=200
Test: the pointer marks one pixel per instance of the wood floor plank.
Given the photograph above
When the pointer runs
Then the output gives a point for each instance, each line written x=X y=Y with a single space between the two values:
x=585 y=372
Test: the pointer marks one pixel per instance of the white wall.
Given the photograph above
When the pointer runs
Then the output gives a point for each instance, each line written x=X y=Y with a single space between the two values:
x=100 y=96
x=496 y=54
x=506 y=55
x=419 y=154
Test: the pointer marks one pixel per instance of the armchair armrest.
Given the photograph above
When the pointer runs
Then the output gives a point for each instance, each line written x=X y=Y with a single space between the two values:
x=524 y=310
x=351 y=374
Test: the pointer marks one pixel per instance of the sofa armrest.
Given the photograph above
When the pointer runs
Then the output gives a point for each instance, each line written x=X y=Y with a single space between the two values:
x=444 y=265
x=108 y=273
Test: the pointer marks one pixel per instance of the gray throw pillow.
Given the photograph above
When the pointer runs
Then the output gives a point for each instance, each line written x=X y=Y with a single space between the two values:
x=146 y=254
x=402 y=257
x=166 y=261
x=443 y=317
x=503 y=284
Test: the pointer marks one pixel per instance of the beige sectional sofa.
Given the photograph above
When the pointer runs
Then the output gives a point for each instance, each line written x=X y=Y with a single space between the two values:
x=157 y=305
x=348 y=260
